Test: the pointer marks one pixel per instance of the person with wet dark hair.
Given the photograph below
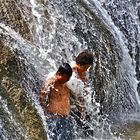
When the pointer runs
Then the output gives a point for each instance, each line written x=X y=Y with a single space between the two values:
x=64 y=69
x=84 y=58
x=78 y=84
x=80 y=66
x=84 y=61
x=54 y=98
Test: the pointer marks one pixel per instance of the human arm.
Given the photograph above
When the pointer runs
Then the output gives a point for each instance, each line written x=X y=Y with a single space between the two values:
x=44 y=92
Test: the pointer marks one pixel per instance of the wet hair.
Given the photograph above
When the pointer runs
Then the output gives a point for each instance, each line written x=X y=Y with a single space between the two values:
x=85 y=58
x=65 y=69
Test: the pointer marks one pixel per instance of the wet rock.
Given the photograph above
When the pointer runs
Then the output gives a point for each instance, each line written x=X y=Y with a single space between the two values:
x=12 y=15
x=21 y=106
x=129 y=26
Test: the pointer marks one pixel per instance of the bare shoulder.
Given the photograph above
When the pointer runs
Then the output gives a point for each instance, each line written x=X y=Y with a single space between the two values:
x=47 y=86
x=49 y=81
x=68 y=89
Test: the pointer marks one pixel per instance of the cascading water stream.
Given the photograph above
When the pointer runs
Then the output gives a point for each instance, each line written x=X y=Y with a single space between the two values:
x=127 y=62
x=128 y=24
x=16 y=125
x=56 y=39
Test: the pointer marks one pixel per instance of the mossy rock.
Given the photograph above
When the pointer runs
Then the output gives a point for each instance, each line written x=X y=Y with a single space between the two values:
x=12 y=16
x=17 y=101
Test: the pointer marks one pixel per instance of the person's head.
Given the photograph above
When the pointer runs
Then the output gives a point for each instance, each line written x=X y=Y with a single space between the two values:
x=64 y=73
x=84 y=60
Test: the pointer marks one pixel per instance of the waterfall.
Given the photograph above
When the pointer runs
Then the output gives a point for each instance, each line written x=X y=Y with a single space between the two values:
x=60 y=29
x=128 y=63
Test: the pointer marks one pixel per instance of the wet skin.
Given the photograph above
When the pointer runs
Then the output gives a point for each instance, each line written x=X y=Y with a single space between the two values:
x=57 y=94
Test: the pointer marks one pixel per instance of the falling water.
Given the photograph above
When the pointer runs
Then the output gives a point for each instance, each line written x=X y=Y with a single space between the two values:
x=60 y=30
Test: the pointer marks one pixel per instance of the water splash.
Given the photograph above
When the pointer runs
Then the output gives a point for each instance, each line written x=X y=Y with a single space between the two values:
x=57 y=38
x=19 y=132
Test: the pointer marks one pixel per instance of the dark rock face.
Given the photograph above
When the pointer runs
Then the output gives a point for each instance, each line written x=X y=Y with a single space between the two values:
x=128 y=23
x=28 y=124
x=18 y=102
x=11 y=15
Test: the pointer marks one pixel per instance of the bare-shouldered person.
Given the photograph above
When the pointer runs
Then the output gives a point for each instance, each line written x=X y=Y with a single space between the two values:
x=78 y=81
x=54 y=97
x=55 y=101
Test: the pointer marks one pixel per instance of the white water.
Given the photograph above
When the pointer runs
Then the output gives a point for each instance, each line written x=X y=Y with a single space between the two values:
x=126 y=64
x=16 y=125
x=59 y=43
